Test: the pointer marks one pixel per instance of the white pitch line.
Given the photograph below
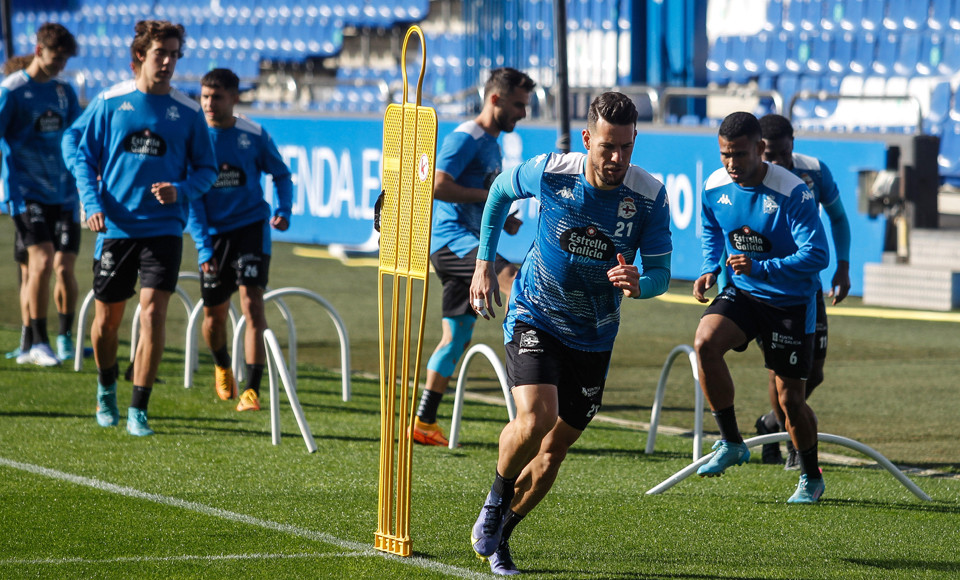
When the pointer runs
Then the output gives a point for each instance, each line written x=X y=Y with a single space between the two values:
x=360 y=549
x=221 y=557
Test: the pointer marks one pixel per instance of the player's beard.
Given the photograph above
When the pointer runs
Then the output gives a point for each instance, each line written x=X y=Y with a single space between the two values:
x=606 y=178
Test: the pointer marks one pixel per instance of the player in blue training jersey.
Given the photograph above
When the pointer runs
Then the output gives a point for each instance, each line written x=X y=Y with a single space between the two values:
x=35 y=108
x=768 y=222
x=238 y=231
x=468 y=162
x=778 y=149
x=143 y=153
x=598 y=213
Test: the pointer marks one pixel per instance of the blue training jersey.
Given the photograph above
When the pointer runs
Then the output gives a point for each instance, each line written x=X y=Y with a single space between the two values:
x=473 y=158
x=244 y=152
x=562 y=287
x=777 y=224
x=818 y=178
x=33 y=117
x=132 y=140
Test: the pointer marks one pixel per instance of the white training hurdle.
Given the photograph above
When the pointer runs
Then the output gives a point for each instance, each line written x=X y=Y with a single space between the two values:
x=699 y=460
x=776 y=437
x=697 y=401
x=278 y=372
x=491 y=356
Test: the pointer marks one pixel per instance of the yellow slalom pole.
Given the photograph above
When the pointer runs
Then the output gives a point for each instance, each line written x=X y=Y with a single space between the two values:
x=408 y=161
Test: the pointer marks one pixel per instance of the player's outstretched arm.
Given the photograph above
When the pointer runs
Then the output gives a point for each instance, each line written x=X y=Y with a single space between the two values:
x=702 y=284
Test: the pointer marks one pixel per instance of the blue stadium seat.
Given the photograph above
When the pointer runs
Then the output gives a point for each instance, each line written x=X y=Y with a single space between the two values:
x=948 y=158
x=940 y=13
x=842 y=53
x=886 y=56
x=873 y=12
x=774 y=21
x=831 y=16
x=915 y=13
x=776 y=53
x=939 y=110
x=787 y=86
x=755 y=54
x=821 y=47
x=798 y=52
x=733 y=64
x=804 y=108
x=931 y=54
x=792 y=15
x=716 y=56
x=811 y=15
x=950 y=62
x=908 y=55
x=852 y=15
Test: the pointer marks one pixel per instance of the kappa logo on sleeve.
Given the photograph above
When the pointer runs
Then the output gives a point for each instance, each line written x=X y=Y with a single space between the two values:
x=145 y=142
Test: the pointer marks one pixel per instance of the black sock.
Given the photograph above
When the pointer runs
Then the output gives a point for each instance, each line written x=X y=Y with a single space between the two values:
x=107 y=377
x=66 y=323
x=510 y=522
x=504 y=488
x=141 y=397
x=26 y=338
x=221 y=357
x=429 y=402
x=810 y=463
x=39 y=327
x=254 y=377
x=771 y=423
x=727 y=422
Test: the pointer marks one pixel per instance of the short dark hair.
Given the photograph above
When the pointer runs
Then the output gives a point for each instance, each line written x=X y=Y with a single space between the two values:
x=221 y=78
x=56 y=36
x=504 y=80
x=740 y=124
x=146 y=31
x=614 y=108
x=775 y=126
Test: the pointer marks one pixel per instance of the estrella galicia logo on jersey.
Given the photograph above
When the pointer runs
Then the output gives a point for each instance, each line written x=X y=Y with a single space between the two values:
x=49 y=121
x=173 y=113
x=770 y=205
x=145 y=142
x=588 y=242
x=627 y=208
x=746 y=240
x=230 y=176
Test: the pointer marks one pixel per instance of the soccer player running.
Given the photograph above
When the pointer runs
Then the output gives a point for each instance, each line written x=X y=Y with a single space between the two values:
x=149 y=145
x=778 y=140
x=597 y=214
x=469 y=161
x=768 y=222
x=35 y=109
x=237 y=232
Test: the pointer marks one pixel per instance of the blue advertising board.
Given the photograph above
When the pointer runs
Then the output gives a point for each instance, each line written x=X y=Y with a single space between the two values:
x=336 y=169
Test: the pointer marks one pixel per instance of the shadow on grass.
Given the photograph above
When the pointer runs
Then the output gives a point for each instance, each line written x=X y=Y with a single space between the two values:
x=918 y=506
x=924 y=566
x=638 y=575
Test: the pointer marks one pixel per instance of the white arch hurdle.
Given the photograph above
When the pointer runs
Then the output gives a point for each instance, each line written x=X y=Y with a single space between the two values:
x=238 y=340
x=191 y=349
x=274 y=296
x=697 y=400
x=776 y=437
x=134 y=332
x=491 y=356
x=699 y=459
x=277 y=369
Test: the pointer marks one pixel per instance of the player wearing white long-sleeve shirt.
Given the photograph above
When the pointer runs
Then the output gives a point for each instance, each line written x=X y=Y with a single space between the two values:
x=597 y=214
x=238 y=226
x=143 y=153
x=767 y=221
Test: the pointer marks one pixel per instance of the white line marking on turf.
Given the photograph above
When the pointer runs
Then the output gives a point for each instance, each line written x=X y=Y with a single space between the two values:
x=360 y=549
x=221 y=557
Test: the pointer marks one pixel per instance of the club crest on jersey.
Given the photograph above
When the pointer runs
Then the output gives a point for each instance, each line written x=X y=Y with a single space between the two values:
x=106 y=263
x=173 y=113
x=588 y=242
x=627 y=208
x=745 y=239
x=529 y=342
x=808 y=180
x=243 y=141
x=770 y=205
x=49 y=121
x=230 y=176
x=145 y=142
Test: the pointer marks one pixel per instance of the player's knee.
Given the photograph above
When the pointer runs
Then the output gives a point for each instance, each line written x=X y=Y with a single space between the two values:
x=444 y=359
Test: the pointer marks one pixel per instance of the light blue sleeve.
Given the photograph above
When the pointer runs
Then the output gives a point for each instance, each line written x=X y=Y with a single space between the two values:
x=198 y=230
x=70 y=141
x=655 y=275
x=711 y=241
x=88 y=152
x=499 y=199
x=839 y=229
x=273 y=164
x=202 y=162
